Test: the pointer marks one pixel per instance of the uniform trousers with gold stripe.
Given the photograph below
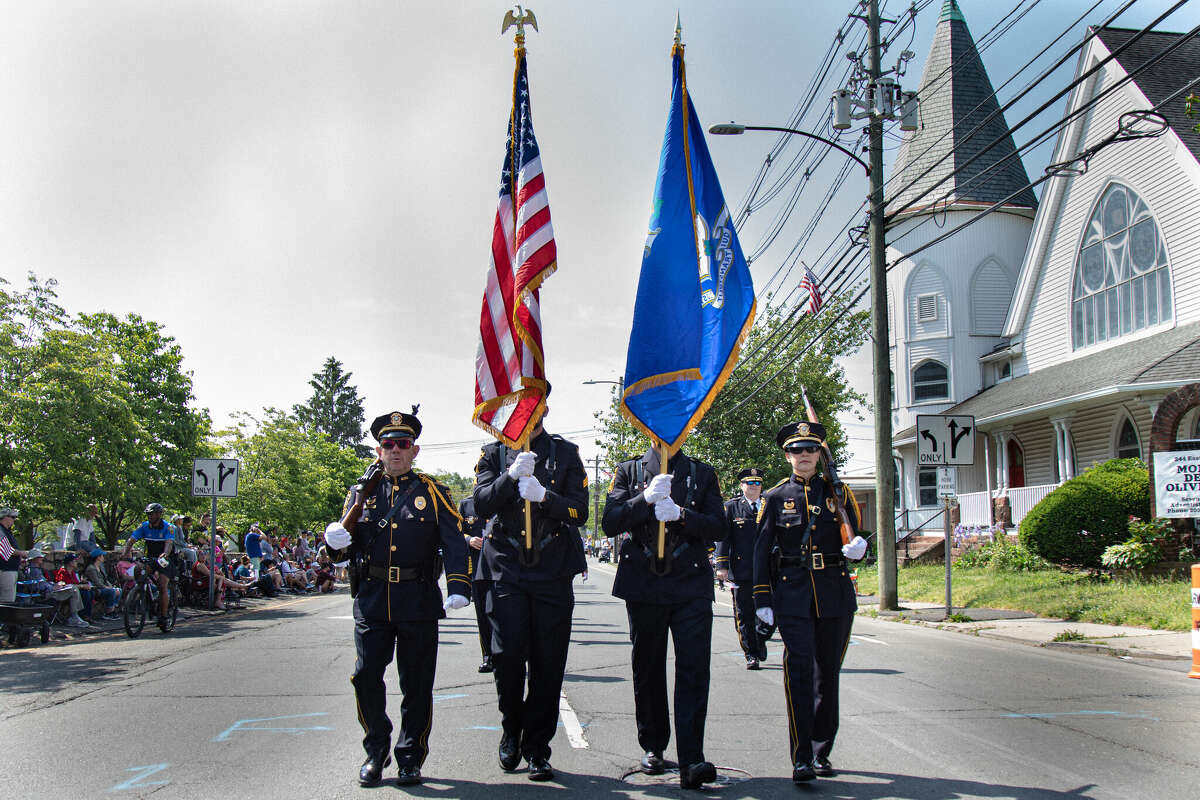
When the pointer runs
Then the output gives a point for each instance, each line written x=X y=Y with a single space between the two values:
x=814 y=647
x=531 y=631
x=414 y=645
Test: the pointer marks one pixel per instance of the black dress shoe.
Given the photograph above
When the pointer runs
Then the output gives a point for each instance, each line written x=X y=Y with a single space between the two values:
x=822 y=767
x=540 y=769
x=486 y=665
x=652 y=763
x=371 y=771
x=693 y=776
x=802 y=773
x=751 y=662
x=762 y=654
x=409 y=776
x=509 y=752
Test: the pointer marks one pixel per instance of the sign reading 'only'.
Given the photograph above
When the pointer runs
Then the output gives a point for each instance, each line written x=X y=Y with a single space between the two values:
x=215 y=477
x=945 y=440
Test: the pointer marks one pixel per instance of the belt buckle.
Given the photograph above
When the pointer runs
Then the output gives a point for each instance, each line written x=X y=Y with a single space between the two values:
x=393 y=574
x=818 y=561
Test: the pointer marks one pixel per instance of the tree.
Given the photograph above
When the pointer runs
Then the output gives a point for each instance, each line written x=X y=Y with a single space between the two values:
x=334 y=409
x=291 y=476
x=95 y=409
x=731 y=439
x=460 y=486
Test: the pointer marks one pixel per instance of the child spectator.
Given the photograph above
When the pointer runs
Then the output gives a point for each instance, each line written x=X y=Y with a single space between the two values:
x=245 y=570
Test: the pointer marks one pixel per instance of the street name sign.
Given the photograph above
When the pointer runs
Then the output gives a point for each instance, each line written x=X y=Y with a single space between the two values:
x=945 y=440
x=1177 y=484
x=215 y=477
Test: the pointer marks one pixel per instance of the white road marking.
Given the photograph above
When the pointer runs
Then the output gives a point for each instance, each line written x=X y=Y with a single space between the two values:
x=571 y=723
x=868 y=641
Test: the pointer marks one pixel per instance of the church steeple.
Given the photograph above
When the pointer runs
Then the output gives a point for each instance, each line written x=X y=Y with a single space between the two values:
x=956 y=96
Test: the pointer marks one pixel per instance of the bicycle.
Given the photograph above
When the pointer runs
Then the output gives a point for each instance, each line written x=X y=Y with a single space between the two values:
x=142 y=600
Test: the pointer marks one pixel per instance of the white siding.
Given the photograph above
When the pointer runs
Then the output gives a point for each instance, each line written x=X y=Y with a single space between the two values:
x=991 y=293
x=1037 y=440
x=1150 y=168
x=927 y=280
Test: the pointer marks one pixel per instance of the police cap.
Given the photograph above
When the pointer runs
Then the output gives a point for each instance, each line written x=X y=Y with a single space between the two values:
x=396 y=425
x=800 y=433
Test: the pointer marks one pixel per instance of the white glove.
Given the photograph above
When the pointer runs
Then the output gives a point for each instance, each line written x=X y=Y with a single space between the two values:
x=665 y=510
x=336 y=536
x=660 y=487
x=455 y=601
x=855 y=549
x=530 y=488
x=164 y=562
x=522 y=466
x=766 y=615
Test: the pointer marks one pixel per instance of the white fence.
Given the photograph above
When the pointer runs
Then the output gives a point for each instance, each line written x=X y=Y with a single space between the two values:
x=1023 y=499
x=973 y=509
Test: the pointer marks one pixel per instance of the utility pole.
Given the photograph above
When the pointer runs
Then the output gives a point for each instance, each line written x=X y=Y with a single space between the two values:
x=595 y=461
x=885 y=522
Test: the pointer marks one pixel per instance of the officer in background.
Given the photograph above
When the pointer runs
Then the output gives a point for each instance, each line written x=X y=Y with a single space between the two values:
x=475 y=530
x=735 y=557
x=673 y=596
x=531 y=598
x=397 y=602
x=802 y=584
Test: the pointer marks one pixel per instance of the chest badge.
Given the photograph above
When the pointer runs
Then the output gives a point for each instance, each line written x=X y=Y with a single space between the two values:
x=419 y=504
x=830 y=505
x=370 y=502
x=789 y=504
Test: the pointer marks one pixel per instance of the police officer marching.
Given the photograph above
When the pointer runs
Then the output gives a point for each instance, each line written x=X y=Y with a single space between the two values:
x=405 y=518
x=475 y=529
x=665 y=596
x=735 y=557
x=802 y=584
x=531 y=597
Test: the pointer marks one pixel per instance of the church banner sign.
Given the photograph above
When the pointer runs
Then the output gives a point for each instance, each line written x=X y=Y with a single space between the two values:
x=1177 y=484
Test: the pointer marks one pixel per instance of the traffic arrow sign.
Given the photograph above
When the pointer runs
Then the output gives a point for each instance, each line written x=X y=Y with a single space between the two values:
x=945 y=440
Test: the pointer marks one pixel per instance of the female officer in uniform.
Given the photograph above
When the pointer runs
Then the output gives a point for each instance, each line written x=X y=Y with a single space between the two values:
x=802 y=584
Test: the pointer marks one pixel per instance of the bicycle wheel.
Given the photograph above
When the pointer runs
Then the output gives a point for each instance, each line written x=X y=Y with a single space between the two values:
x=134 y=612
x=167 y=624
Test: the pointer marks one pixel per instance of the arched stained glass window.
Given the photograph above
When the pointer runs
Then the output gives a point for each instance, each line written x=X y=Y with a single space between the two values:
x=1122 y=280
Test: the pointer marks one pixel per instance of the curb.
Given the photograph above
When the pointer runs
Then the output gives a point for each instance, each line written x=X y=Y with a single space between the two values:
x=988 y=633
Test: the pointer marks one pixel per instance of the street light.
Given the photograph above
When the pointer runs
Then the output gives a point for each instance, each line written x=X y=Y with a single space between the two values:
x=734 y=129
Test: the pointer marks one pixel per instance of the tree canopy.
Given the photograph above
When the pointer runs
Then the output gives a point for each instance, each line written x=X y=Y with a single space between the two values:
x=334 y=407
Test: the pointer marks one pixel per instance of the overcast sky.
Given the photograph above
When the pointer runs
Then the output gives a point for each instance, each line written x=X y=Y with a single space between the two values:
x=278 y=182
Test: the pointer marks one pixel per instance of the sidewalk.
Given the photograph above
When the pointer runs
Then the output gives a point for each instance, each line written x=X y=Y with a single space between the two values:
x=1025 y=628
x=103 y=627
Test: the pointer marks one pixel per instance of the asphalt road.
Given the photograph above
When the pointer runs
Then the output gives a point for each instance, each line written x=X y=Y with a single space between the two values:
x=259 y=705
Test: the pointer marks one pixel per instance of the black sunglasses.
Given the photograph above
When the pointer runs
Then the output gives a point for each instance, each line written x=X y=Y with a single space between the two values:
x=399 y=444
x=752 y=483
x=803 y=448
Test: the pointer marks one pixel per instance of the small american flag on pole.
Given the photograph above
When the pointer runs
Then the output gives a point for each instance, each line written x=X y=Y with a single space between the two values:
x=809 y=283
x=510 y=370
x=6 y=549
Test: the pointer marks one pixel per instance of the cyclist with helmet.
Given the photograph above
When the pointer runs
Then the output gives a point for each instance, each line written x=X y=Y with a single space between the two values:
x=160 y=540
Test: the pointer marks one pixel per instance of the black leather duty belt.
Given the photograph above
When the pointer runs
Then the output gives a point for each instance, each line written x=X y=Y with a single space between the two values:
x=395 y=574
x=819 y=561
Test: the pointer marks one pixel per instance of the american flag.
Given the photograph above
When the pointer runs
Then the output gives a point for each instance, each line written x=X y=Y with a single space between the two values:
x=6 y=549
x=510 y=372
x=809 y=282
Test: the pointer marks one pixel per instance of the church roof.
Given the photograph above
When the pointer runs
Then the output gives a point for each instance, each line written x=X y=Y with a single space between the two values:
x=1161 y=79
x=955 y=98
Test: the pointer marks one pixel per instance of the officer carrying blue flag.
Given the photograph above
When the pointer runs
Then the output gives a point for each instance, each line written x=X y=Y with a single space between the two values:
x=695 y=304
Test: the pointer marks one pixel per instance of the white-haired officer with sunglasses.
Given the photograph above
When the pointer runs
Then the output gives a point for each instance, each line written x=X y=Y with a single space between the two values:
x=802 y=584
x=397 y=602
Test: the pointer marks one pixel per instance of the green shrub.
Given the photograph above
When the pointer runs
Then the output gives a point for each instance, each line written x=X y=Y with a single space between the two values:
x=1079 y=520
x=1002 y=556
x=1131 y=555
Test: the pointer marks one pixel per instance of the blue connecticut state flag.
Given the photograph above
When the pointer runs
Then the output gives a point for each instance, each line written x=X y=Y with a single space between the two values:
x=695 y=299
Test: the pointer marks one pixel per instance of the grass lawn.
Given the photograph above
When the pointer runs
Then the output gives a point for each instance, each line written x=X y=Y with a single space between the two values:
x=1152 y=603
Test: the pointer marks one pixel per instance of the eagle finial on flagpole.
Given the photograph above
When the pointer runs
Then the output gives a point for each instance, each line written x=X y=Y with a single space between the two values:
x=523 y=17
